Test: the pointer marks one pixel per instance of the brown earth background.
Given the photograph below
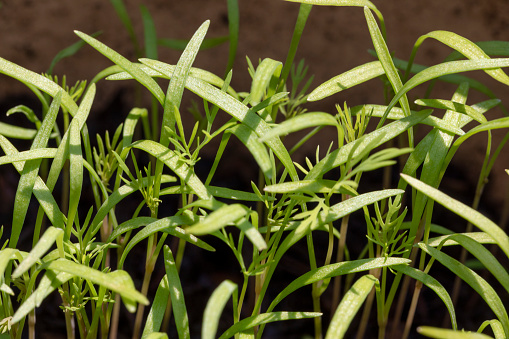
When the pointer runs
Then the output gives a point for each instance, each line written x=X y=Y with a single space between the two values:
x=335 y=40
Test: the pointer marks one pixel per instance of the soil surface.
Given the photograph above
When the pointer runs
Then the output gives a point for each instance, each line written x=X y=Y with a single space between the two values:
x=336 y=39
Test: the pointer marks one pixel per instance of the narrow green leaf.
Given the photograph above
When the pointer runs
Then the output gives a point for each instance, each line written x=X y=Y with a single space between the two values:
x=150 y=33
x=177 y=295
x=445 y=240
x=11 y=131
x=233 y=29
x=397 y=113
x=47 y=240
x=386 y=60
x=168 y=225
x=123 y=15
x=75 y=174
x=97 y=277
x=39 y=153
x=40 y=190
x=446 y=68
x=255 y=147
x=480 y=285
x=49 y=282
x=149 y=67
x=129 y=225
x=157 y=310
x=228 y=193
x=487 y=259
x=341 y=155
x=453 y=106
x=265 y=318
x=467 y=48
x=267 y=69
x=463 y=211
x=346 y=80
x=39 y=81
x=299 y=122
x=239 y=111
x=177 y=81
x=496 y=327
x=224 y=216
x=439 y=333
x=67 y=52
x=434 y=285
x=30 y=171
x=128 y=66
x=170 y=159
x=314 y=186
x=333 y=270
x=353 y=204
x=214 y=308
x=349 y=306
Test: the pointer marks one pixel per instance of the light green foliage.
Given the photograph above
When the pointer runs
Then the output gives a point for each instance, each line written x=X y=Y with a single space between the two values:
x=85 y=258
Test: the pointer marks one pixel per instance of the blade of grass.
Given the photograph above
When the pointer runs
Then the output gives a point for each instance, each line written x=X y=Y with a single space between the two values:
x=233 y=29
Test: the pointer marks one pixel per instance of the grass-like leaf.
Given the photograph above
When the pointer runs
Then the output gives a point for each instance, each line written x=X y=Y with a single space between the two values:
x=465 y=47
x=106 y=280
x=225 y=215
x=214 y=308
x=30 y=171
x=434 y=285
x=128 y=66
x=170 y=159
x=446 y=68
x=484 y=256
x=349 y=306
x=480 y=285
x=267 y=69
x=156 y=314
x=397 y=113
x=386 y=60
x=43 y=245
x=341 y=155
x=453 y=106
x=333 y=270
x=75 y=173
x=265 y=318
x=168 y=225
x=439 y=333
x=49 y=282
x=177 y=295
x=39 y=81
x=351 y=78
x=299 y=122
x=445 y=240
x=239 y=111
x=463 y=211
x=11 y=131
x=177 y=81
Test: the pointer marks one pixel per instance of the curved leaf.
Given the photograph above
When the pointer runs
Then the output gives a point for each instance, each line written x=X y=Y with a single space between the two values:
x=214 y=308
x=463 y=211
x=349 y=306
x=480 y=285
x=434 y=285
x=300 y=122
x=333 y=270
x=346 y=80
